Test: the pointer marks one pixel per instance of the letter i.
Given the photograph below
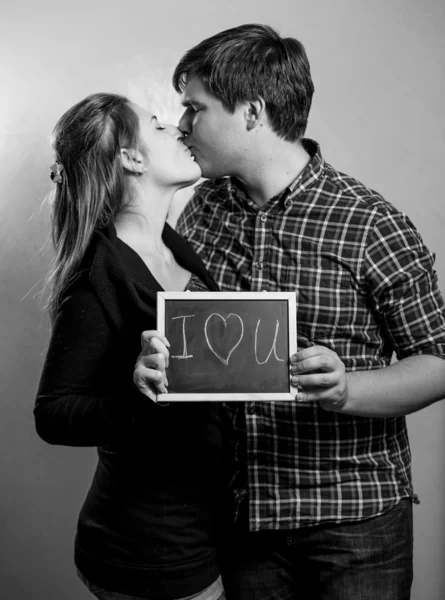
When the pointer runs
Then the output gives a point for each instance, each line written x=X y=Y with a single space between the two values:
x=184 y=338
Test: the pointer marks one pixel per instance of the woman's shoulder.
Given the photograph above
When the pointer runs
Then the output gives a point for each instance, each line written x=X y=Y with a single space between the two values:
x=187 y=257
x=93 y=286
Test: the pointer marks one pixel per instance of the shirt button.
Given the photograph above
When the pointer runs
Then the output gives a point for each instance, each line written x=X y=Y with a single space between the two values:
x=251 y=409
x=288 y=203
x=259 y=266
x=263 y=218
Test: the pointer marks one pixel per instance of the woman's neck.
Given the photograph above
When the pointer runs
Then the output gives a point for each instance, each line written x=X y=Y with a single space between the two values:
x=141 y=222
x=140 y=225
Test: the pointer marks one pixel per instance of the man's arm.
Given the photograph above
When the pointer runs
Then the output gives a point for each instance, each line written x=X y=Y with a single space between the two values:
x=403 y=291
x=400 y=389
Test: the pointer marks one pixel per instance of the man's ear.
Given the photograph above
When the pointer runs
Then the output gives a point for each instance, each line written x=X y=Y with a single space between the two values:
x=132 y=160
x=255 y=113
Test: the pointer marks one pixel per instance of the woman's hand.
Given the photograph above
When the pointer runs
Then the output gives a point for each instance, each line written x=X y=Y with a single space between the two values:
x=320 y=376
x=149 y=371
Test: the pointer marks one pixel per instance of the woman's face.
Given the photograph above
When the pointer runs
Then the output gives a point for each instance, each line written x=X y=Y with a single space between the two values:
x=169 y=162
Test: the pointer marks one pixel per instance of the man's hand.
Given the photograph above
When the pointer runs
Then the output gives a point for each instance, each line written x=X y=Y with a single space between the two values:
x=320 y=376
x=149 y=371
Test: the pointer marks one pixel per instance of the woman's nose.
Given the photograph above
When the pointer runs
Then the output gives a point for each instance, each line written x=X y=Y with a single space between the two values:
x=173 y=130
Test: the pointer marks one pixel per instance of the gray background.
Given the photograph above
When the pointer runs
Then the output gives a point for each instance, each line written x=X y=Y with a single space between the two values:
x=378 y=114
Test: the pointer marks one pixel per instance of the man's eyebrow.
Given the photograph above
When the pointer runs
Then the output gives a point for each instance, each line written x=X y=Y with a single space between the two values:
x=193 y=103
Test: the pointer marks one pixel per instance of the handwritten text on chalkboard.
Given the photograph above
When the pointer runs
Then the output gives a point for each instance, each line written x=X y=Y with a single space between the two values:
x=233 y=329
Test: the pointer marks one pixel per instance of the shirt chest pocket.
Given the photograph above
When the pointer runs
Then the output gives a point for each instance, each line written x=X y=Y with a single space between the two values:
x=326 y=295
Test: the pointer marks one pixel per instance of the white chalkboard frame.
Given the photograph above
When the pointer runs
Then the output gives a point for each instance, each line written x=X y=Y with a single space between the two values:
x=289 y=297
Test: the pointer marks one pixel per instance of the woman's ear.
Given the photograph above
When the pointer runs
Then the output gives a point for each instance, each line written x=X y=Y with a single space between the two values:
x=132 y=160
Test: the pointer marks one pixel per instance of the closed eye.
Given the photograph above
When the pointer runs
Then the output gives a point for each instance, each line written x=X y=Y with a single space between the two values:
x=194 y=109
x=155 y=118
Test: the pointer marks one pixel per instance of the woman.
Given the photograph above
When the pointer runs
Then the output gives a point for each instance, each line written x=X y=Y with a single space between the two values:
x=147 y=527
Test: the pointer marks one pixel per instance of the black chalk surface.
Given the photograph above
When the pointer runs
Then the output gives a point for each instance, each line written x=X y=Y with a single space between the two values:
x=228 y=345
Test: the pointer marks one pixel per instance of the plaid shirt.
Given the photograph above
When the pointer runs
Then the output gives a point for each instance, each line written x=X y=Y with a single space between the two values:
x=365 y=288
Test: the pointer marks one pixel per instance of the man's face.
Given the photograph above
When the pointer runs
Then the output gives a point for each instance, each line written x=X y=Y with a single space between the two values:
x=214 y=135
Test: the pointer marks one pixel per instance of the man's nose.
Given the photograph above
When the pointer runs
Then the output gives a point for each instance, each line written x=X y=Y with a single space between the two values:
x=185 y=123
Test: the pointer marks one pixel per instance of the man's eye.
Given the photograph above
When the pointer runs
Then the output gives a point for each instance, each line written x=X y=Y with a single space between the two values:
x=160 y=128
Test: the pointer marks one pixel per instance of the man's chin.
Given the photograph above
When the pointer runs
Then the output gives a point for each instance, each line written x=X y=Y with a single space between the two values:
x=209 y=173
x=201 y=166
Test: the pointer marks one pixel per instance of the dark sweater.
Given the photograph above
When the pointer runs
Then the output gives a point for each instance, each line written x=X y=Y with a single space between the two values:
x=147 y=524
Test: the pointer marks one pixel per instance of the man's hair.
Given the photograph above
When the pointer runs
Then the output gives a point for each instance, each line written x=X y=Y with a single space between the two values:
x=251 y=61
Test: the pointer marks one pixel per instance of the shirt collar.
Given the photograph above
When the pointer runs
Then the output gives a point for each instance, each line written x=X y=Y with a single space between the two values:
x=312 y=171
x=304 y=180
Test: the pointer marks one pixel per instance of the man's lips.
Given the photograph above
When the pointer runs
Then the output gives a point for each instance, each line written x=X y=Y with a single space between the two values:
x=190 y=151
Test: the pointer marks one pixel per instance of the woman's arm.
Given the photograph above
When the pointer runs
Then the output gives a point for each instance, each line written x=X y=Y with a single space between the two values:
x=78 y=401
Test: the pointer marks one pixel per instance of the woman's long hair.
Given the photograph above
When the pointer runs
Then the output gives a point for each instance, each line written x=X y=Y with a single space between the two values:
x=87 y=142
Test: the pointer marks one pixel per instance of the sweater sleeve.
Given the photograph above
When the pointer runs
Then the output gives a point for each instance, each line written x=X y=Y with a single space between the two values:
x=78 y=400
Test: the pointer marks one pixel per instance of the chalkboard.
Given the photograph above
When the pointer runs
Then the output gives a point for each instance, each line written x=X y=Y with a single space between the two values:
x=228 y=345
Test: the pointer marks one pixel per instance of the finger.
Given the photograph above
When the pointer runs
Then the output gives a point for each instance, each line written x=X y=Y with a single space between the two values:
x=150 y=333
x=159 y=346
x=155 y=345
x=310 y=352
x=157 y=362
x=329 y=396
x=320 y=362
x=149 y=381
x=316 y=380
x=153 y=361
x=148 y=375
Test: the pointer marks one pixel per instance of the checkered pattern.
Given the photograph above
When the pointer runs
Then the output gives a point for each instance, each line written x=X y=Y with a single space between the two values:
x=365 y=288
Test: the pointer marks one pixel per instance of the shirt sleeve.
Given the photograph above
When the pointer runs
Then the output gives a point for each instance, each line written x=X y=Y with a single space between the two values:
x=402 y=281
x=77 y=401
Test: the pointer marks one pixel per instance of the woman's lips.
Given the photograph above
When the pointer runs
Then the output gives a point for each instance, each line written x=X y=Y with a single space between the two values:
x=189 y=150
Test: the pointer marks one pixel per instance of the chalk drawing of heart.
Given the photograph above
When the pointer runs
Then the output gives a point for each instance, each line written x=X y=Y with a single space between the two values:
x=224 y=360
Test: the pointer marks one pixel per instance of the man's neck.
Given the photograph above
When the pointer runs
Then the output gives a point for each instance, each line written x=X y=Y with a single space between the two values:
x=271 y=174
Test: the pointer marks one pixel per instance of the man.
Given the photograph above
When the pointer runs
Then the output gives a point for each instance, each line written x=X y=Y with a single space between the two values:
x=322 y=487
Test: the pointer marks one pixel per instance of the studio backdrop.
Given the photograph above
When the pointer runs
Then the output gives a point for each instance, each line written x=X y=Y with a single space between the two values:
x=378 y=115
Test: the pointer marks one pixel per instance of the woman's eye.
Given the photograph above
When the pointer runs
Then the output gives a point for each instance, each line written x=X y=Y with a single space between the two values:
x=160 y=128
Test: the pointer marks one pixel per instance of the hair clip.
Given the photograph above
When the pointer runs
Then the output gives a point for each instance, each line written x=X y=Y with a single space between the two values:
x=56 y=172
